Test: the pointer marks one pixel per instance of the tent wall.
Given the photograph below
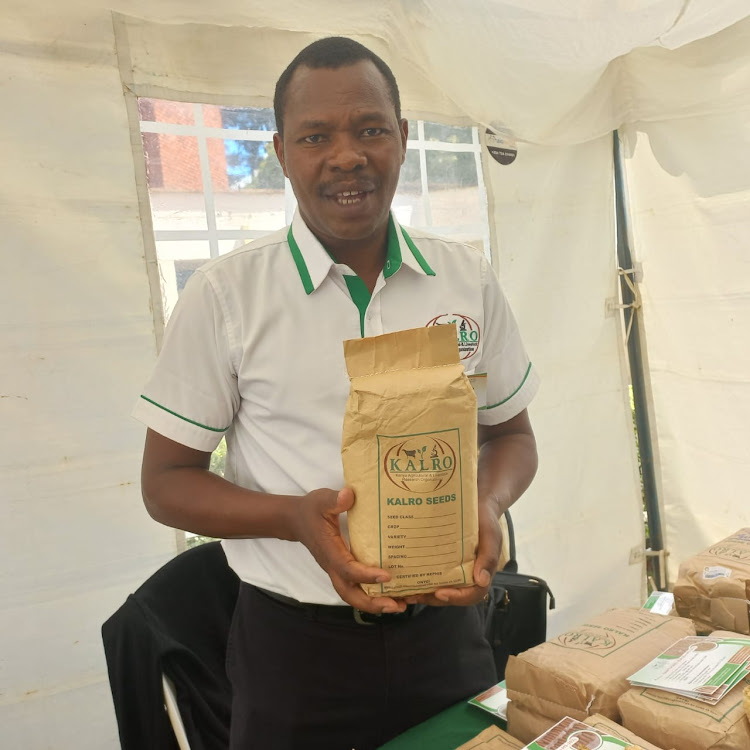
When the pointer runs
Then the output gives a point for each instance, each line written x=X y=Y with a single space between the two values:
x=581 y=518
x=689 y=192
x=77 y=338
x=78 y=331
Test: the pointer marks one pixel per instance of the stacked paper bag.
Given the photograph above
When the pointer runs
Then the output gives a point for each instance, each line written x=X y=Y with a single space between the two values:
x=584 y=671
x=492 y=738
x=688 y=724
x=704 y=668
x=713 y=588
x=603 y=725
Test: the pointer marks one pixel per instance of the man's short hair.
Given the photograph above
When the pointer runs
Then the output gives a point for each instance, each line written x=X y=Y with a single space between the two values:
x=332 y=52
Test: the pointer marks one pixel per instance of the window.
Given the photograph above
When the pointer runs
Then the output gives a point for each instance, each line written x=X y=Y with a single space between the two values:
x=215 y=183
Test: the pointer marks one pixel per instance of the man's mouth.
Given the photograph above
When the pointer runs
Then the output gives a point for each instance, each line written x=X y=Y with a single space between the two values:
x=348 y=194
x=349 y=197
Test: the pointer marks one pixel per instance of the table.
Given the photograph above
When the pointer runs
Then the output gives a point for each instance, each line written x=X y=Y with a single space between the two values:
x=446 y=730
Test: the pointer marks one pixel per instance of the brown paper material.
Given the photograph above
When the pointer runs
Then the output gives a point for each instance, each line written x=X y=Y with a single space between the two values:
x=713 y=588
x=527 y=727
x=746 y=702
x=584 y=671
x=409 y=451
x=663 y=717
x=525 y=723
x=492 y=738
x=606 y=726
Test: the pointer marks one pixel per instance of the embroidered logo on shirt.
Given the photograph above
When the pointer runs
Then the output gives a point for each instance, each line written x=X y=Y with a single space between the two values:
x=467 y=329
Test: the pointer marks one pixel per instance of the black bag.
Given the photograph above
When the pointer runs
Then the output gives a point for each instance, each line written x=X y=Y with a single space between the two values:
x=516 y=612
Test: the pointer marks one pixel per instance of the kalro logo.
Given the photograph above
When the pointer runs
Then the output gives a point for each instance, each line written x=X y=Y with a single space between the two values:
x=587 y=639
x=420 y=464
x=467 y=329
x=729 y=551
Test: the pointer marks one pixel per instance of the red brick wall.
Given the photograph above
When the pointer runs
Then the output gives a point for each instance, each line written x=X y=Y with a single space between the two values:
x=173 y=160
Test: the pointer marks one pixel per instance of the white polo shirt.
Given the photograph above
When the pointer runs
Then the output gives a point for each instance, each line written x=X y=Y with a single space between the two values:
x=253 y=351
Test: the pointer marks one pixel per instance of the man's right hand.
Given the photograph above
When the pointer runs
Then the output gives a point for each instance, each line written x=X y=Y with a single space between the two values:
x=317 y=527
x=179 y=491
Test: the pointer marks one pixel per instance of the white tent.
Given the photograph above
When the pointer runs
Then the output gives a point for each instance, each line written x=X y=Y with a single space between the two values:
x=80 y=336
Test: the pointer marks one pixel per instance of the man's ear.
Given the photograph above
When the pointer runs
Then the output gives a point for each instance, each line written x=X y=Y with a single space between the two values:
x=278 y=147
x=403 y=127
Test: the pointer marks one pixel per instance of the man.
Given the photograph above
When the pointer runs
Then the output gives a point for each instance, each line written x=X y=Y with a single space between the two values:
x=254 y=352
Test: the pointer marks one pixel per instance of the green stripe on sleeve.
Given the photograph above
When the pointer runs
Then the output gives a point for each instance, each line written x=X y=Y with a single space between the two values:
x=499 y=403
x=185 y=419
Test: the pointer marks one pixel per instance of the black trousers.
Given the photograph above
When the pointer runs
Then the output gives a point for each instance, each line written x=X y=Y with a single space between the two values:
x=304 y=681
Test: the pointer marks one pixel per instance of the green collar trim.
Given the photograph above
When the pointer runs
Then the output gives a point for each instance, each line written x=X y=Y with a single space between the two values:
x=418 y=256
x=393 y=258
x=393 y=253
x=360 y=295
x=299 y=261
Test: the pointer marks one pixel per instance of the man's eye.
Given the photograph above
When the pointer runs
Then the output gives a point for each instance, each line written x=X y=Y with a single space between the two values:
x=313 y=138
x=373 y=131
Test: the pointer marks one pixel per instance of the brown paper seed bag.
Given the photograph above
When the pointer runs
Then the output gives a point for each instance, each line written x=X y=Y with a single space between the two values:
x=713 y=587
x=664 y=717
x=525 y=723
x=585 y=670
x=606 y=726
x=409 y=450
x=492 y=738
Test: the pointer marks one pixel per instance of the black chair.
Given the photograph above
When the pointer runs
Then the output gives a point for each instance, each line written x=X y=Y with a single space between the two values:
x=173 y=632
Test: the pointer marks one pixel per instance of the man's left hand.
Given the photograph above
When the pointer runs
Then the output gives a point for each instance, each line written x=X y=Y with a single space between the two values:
x=485 y=565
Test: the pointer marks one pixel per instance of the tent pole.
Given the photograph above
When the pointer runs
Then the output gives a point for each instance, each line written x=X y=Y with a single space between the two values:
x=637 y=372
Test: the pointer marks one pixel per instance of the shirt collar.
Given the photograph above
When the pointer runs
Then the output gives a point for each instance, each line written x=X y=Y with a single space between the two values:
x=314 y=263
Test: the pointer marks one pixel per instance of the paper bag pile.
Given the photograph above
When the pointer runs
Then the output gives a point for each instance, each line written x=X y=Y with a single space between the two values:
x=584 y=671
x=713 y=588
x=492 y=738
x=663 y=717
x=606 y=726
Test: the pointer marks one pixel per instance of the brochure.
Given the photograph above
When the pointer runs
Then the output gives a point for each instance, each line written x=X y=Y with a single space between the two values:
x=660 y=603
x=569 y=734
x=494 y=699
x=702 y=668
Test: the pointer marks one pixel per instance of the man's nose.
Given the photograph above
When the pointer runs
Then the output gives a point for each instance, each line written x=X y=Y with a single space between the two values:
x=347 y=154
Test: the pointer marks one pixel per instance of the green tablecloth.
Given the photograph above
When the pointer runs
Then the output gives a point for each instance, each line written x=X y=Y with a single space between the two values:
x=446 y=730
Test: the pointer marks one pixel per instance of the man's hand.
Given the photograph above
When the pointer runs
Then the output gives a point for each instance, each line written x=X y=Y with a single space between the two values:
x=487 y=556
x=507 y=464
x=317 y=527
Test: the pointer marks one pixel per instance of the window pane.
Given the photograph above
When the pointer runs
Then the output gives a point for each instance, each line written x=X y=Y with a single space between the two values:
x=248 y=185
x=457 y=207
x=161 y=110
x=454 y=194
x=177 y=261
x=449 y=170
x=174 y=181
x=434 y=131
x=407 y=203
x=412 y=130
x=248 y=118
x=226 y=246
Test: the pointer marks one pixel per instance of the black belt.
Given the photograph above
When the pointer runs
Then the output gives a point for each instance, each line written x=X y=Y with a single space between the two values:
x=343 y=613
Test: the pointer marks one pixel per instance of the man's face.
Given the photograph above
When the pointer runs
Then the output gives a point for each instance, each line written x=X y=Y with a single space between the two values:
x=342 y=151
